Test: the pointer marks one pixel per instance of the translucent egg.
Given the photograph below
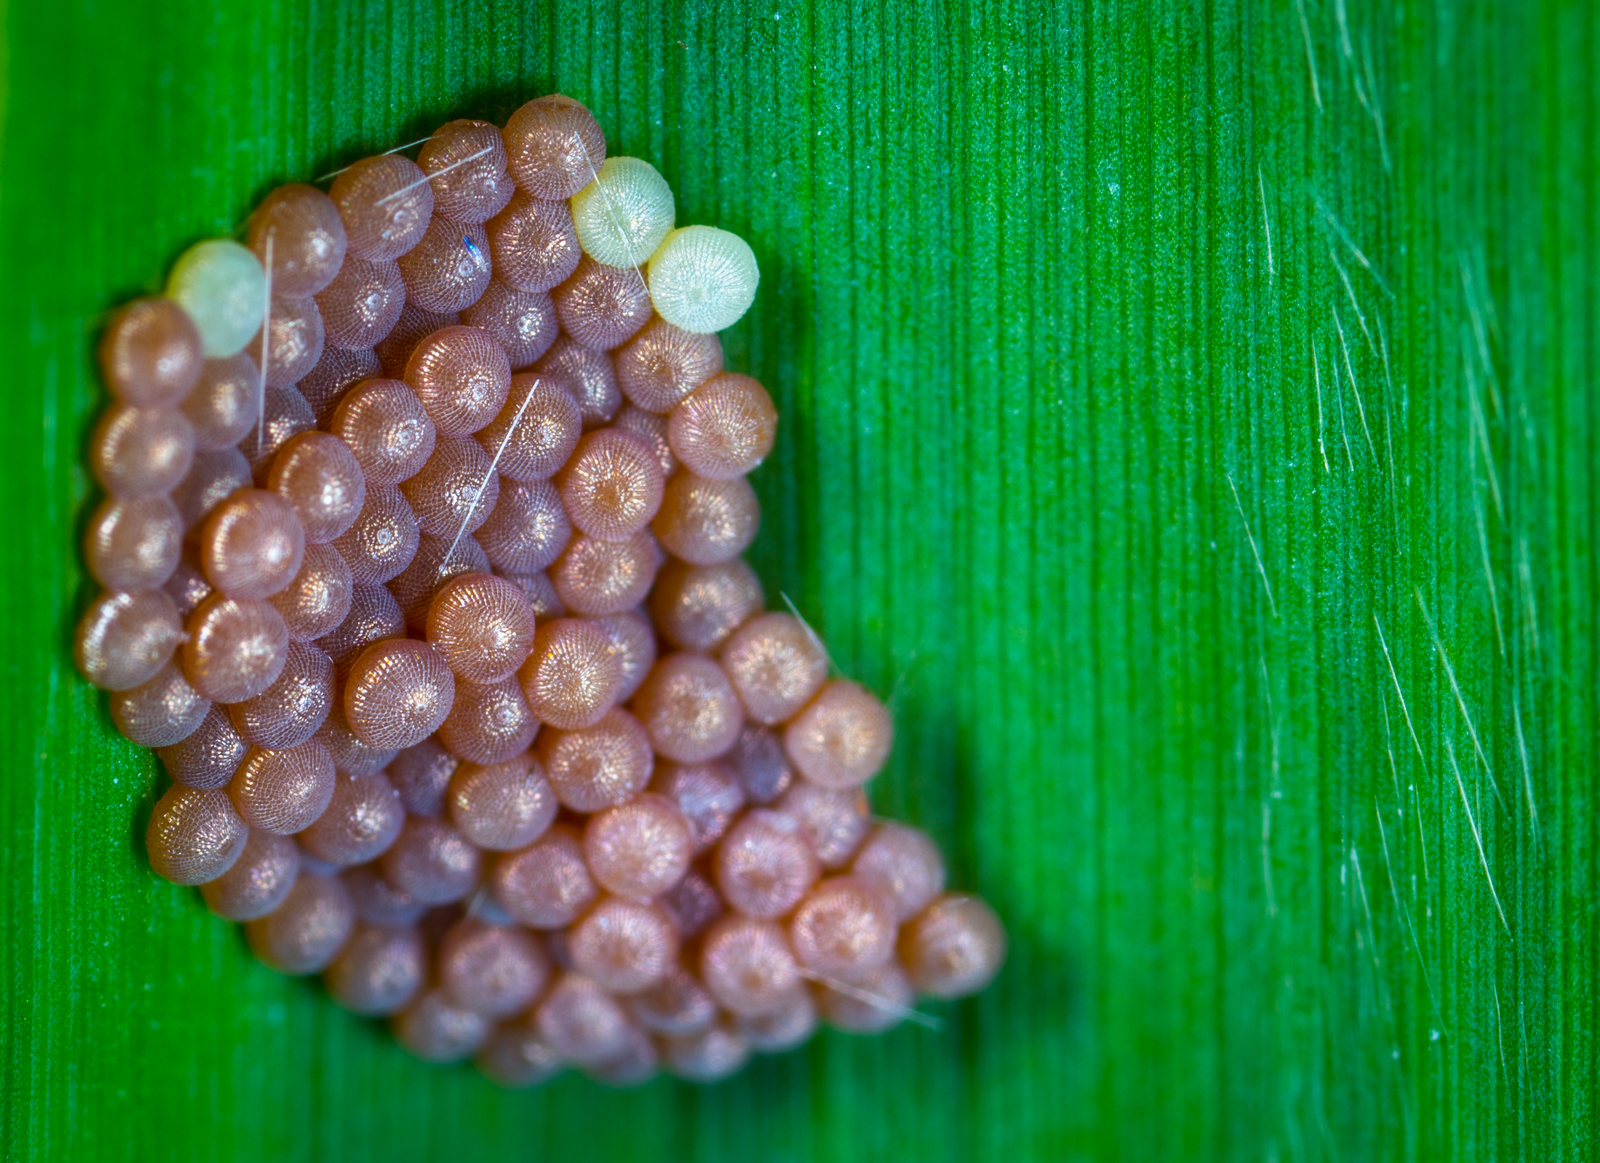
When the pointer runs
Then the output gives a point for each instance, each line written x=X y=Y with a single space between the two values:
x=221 y=285
x=624 y=213
x=703 y=279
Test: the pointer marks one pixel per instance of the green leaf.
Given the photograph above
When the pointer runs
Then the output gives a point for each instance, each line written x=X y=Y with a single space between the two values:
x=1188 y=422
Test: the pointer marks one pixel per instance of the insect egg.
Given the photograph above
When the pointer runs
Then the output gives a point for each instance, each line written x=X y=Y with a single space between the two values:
x=689 y=709
x=208 y=756
x=338 y=371
x=904 y=864
x=758 y=761
x=462 y=376
x=707 y=794
x=706 y=522
x=661 y=365
x=397 y=693
x=382 y=540
x=572 y=676
x=528 y=528
x=523 y=322
x=602 y=306
x=235 y=649
x=386 y=429
x=379 y=970
x=150 y=353
x=624 y=946
x=456 y=490
x=362 y=303
x=589 y=375
x=141 y=452
x=223 y=404
x=318 y=597
x=612 y=486
x=295 y=336
x=703 y=279
x=775 y=664
x=835 y=820
x=252 y=544
x=515 y=1056
x=708 y=1056
x=222 y=288
x=532 y=243
x=448 y=268
x=595 y=767
x=597 y=577
x=747 y=966
x=693 y=903
x=954 y=946
x=547 y=884
x=385 y=203
x=696 y=607
x=581 y=1021
x=537 y=429
x=483 y=626
x=844 y=929
x=493 y=970
x=259 y=880
x=765 y=864
x=502 y=806
x=135 y=544
x=304 y=933
x=124 y=638
x=436 y=1031
x=213 y=477
x=466 y=166
x=724 y=428
x=283 y=791
x=638 y=849
x=842 y=737
x=308 y=238
x=363 y=817
x=160 y=712
x=297 y=703
x=554 y=146
x=194 y=835
x=432 y=862
x=622 y=215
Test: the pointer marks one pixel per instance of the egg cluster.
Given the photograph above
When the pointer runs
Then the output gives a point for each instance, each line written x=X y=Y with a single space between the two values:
x=421 y=568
